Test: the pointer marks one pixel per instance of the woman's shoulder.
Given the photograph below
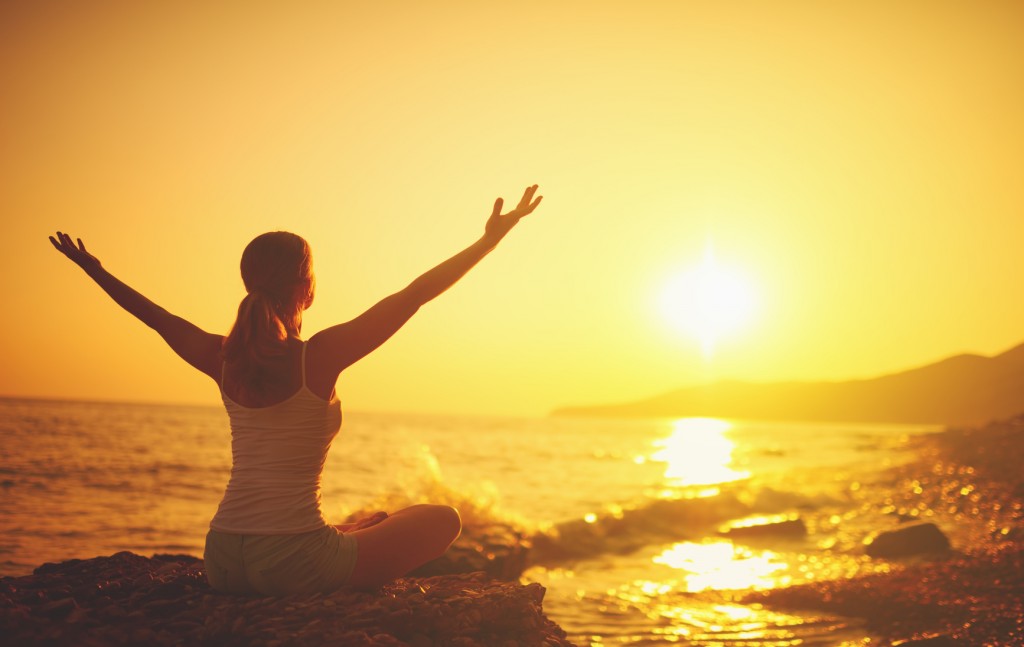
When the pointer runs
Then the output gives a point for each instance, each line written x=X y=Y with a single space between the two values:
x=321 y=371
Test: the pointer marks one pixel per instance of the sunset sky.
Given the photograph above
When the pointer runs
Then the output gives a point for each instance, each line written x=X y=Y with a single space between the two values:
x=857 y=166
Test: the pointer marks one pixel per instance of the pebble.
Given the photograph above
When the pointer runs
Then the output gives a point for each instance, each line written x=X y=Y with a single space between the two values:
x=907 y=540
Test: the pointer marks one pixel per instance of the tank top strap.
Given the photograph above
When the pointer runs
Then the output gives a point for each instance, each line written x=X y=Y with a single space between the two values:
x=304 y=344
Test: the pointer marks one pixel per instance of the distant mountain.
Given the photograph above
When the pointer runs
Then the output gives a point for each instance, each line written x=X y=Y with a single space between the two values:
x=965 y=389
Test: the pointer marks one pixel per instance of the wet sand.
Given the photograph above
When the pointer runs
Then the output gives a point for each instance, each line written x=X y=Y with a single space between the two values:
x=970 y=482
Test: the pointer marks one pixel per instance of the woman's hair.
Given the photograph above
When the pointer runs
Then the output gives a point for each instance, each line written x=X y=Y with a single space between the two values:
x=277 y=269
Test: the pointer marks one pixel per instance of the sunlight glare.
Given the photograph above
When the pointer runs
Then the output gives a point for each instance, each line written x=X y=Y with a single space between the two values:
x=699 y=452
x=721 y=565
x=708 y=302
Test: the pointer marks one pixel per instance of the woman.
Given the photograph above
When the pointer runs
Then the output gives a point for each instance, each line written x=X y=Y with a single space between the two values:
x=269 y=535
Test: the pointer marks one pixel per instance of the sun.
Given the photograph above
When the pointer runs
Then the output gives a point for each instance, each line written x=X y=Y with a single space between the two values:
x=709 y=302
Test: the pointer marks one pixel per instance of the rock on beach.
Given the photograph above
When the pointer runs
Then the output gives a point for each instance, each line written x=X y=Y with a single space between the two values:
x=770 y=529
x=908 y=539
x=165 y=600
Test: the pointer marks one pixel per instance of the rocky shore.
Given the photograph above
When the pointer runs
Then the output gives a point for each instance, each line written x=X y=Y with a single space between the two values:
x=971 y=482
x=127 y=599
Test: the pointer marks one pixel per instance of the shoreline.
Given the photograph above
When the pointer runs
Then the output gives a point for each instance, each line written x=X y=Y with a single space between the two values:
x=970 y=481
x=966 y=481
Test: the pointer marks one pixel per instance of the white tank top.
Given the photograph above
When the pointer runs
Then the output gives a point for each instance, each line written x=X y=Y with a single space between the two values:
x=277 y=458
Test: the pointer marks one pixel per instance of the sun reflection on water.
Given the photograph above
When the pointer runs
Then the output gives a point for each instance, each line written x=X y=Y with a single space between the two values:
x=693 y=593
x=698 y=452
x=721 y=565
x=727 y=541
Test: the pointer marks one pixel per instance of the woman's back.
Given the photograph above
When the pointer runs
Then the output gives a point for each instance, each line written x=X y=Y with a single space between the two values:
x=278 y=453
x=316 y=372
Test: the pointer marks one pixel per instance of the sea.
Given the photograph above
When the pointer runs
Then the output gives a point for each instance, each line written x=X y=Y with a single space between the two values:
x=649 y=531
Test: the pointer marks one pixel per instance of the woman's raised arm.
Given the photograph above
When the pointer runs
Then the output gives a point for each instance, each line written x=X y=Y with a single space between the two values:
x=197 y=347
x=346 y=343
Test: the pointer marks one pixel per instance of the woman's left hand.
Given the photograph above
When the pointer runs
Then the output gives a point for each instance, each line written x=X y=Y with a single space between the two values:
x=78 y=253
x=365 y=522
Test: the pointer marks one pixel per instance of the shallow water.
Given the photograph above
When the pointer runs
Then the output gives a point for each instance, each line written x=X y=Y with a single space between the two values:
x=634 y=515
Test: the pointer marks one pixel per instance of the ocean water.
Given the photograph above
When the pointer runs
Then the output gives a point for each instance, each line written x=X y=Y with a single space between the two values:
x=636 y=519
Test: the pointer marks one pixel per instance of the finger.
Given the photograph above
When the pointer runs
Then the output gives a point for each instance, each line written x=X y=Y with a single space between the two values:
x=69 y=245
x=56 y=244
x=528 y=209
x=81 y=245
x=497 y=207
x=527 y=196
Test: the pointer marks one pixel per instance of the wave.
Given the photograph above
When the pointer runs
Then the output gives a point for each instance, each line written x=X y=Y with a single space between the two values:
x=618 y=530
x=661 y=516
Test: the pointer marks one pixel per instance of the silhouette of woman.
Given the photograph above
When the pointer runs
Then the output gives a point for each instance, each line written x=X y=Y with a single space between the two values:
x=269 y=534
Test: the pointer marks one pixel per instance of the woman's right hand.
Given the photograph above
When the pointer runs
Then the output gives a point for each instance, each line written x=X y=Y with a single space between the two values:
x=500 y=224
x=78 y=253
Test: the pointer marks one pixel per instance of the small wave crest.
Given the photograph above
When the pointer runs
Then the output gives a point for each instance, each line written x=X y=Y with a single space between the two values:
x=616 y=529
x=479 y=506
x=619 y=529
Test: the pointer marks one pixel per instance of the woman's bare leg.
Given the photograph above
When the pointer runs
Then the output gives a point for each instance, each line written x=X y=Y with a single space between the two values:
x=408 y=538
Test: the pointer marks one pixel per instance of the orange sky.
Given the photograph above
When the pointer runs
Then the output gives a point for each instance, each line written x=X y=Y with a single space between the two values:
x=860 y=163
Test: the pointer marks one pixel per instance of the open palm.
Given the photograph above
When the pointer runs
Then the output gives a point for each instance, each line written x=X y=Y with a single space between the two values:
x=500 y=224
x=78 y=253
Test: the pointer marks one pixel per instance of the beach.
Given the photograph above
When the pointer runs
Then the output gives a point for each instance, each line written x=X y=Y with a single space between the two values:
x=966 y=479
x=750 y=375
x=619 y=532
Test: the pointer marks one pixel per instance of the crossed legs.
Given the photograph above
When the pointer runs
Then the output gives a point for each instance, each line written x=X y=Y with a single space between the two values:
x=403 y=541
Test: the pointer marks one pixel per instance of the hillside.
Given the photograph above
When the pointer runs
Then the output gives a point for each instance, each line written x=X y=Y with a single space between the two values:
x=964 y=389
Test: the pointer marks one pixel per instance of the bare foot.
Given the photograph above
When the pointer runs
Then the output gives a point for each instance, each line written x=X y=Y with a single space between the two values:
x=371 y=520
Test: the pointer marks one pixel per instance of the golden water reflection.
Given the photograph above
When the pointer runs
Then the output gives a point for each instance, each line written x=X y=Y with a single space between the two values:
x=698 y=452
x=693 y=593
x=722 y=565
